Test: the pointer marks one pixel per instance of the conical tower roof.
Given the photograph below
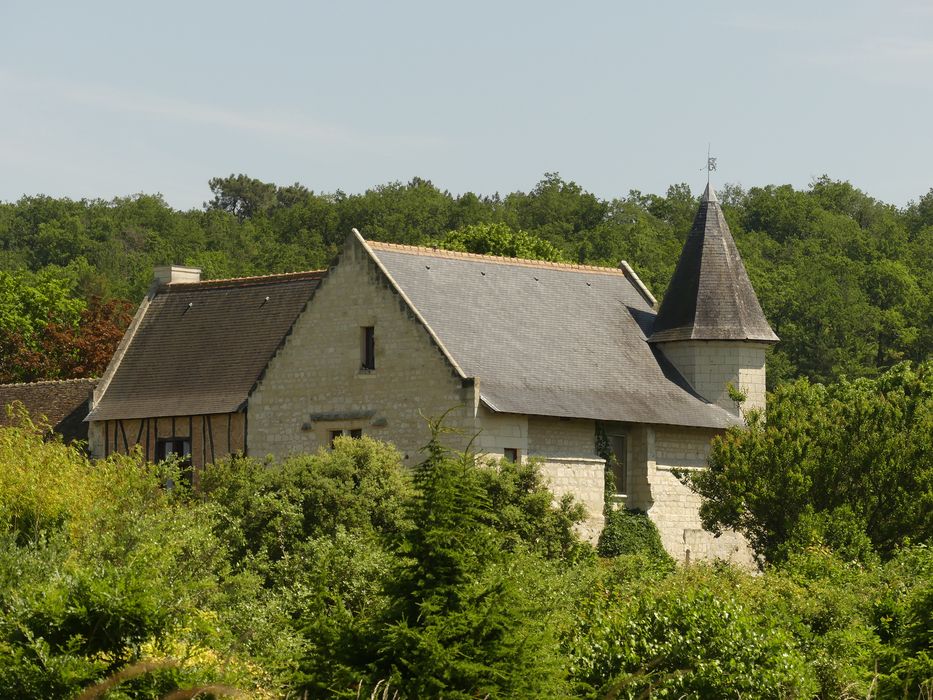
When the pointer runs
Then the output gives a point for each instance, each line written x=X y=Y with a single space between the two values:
x=710 y=296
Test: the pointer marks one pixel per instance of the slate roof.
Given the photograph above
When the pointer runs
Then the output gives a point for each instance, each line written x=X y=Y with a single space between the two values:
x=547 y=339
x=201 y=346
x=64 y=404
x=710 y=296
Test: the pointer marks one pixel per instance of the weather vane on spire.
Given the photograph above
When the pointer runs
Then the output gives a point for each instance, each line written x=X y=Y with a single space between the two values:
x=710 y=164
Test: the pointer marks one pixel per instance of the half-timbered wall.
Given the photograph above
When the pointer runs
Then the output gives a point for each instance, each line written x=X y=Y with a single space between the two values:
x=212 y=437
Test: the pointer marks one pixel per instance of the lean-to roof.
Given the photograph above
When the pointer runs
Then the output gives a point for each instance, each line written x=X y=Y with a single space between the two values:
x=62 y=402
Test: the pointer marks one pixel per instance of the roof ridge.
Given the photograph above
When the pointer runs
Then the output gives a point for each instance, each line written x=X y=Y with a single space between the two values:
x=501 y=259
x=251 y=279
x=72 y=380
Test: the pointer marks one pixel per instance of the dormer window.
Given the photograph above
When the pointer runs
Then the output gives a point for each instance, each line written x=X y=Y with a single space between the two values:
x=368 y=348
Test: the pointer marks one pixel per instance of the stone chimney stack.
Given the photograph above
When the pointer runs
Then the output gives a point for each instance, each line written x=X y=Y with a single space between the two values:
x=176 y=274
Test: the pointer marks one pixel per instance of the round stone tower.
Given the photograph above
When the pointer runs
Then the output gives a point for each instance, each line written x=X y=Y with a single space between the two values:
x=710 y=325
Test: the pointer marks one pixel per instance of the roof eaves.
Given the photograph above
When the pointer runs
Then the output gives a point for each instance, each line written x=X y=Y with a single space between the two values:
x=397 y=287
x=489 y=404
x=719 y=418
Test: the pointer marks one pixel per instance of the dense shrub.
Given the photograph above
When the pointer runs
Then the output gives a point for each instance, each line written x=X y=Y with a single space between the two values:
x=101 y=567
x=523 y=511
x=630 y=532
x=690 y=635
x=280 y=579
x=848 y=466
x=466 y=617
x=270 y=510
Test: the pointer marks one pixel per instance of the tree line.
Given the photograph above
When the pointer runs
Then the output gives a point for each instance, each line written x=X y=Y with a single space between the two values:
x=845 y=280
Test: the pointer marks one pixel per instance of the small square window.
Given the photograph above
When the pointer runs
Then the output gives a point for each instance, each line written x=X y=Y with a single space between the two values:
x=511 y=454
x=355 y=433
x=368 y=348
x=179 y=447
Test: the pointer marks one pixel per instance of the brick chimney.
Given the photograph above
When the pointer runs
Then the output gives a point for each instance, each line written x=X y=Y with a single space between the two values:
x=176 y=274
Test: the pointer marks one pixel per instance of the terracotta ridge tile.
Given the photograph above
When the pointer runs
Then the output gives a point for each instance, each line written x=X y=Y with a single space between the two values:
x=73 y=380
x=501 y=259
x=253 y=279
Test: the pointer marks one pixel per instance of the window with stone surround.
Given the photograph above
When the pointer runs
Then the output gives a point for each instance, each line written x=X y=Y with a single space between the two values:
x=354 y=433
x=512 y=454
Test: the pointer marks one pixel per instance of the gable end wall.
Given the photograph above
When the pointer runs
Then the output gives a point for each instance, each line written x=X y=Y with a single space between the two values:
x=314 y=384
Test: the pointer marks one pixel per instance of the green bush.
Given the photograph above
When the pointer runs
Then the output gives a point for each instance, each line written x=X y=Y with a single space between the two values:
x=102 y=568
x=688 y=635
x=848 y=466
x=466 y=617
x=523 y=511
x=270 y=510
x=630 y=532
x=331 y=575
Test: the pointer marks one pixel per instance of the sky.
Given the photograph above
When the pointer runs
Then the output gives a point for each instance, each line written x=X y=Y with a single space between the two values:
x=106 y=99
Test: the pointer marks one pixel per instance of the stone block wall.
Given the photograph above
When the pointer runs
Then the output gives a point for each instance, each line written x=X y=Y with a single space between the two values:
x=567 y=450
x=711 y=365
x=675 y=508
x=640 y=446
x=497 y=431
x=315 y=385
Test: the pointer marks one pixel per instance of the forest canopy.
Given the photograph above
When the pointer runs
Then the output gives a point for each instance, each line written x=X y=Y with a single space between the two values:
x=845 y=280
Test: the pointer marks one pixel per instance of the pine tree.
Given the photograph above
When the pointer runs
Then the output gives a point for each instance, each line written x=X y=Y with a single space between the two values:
x=459 y=625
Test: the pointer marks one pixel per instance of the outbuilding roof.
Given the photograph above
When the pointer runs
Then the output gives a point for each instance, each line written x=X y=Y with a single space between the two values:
x=200 y=347
x=63 y=404
x=710 y=296
x=547 y=338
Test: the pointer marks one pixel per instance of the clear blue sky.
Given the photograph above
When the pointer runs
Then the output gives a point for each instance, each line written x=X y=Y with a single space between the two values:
x=99 y=99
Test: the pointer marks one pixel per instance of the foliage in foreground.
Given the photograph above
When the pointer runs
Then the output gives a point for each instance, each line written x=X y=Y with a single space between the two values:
x=346 y=575
x=849 y=466
x=816 y=627
x=100 y=568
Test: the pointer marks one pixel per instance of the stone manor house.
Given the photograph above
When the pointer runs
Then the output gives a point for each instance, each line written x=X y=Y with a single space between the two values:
x=532 y=358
